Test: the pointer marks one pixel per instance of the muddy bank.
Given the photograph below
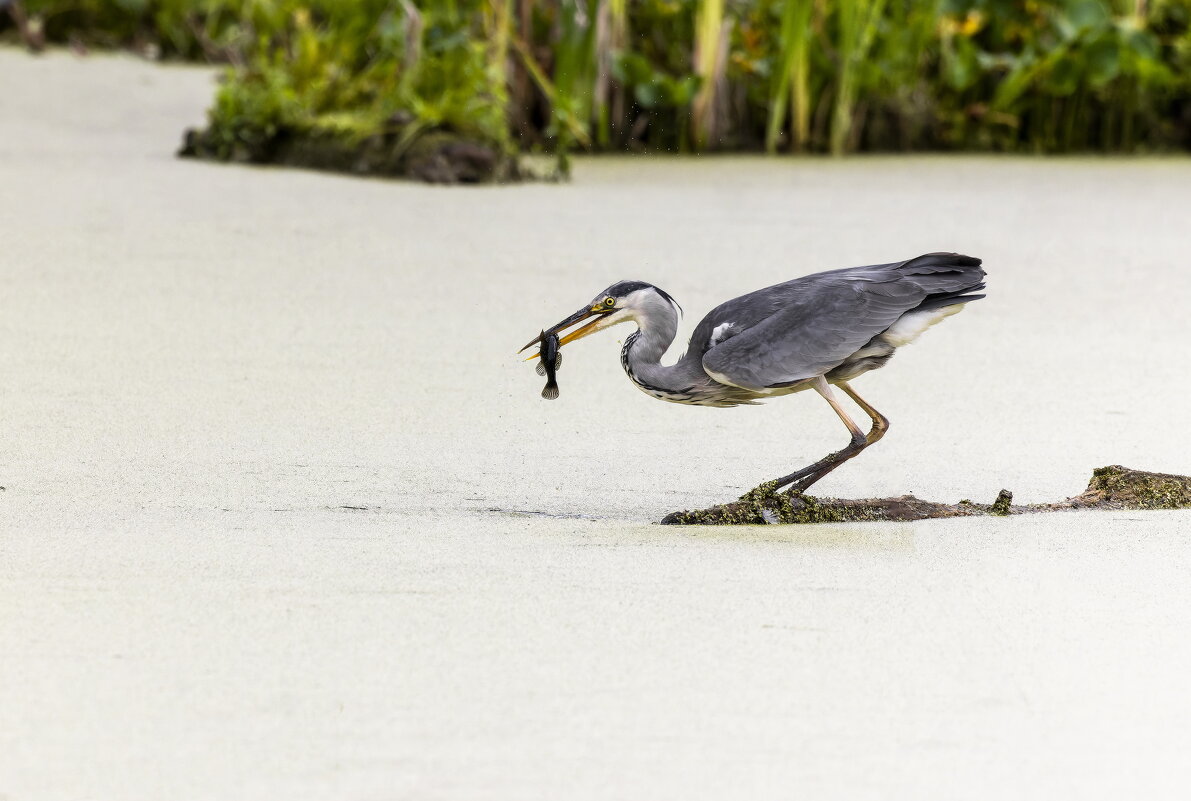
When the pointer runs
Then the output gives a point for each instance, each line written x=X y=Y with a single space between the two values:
x=400 y=151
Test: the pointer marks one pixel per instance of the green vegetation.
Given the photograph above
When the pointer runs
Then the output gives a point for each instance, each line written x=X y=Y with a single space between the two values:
x=377 y=76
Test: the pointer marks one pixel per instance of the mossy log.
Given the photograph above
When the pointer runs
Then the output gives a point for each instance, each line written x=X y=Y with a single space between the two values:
x=433 y=156
x=1112 y=487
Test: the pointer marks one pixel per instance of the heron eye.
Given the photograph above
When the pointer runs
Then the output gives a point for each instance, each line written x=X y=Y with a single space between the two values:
x=609 y=302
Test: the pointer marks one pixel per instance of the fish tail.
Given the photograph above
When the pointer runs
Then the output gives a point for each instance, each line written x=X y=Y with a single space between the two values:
x=550 y=391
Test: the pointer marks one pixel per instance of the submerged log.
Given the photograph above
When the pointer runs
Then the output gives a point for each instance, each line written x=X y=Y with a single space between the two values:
x=1112 y=487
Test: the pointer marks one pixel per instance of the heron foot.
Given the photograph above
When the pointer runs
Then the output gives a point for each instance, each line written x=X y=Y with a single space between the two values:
x=801 y=480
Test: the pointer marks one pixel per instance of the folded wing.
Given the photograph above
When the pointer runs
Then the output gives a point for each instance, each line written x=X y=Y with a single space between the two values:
x=813 y=324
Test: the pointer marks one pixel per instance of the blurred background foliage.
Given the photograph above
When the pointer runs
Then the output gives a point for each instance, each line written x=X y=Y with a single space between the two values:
x=677 y=75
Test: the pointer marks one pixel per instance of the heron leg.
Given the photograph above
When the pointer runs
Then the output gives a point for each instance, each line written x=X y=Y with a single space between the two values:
x=880 y=421
x=804 y=478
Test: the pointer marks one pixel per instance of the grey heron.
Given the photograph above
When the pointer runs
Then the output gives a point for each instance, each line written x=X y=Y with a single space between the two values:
x=809 y=333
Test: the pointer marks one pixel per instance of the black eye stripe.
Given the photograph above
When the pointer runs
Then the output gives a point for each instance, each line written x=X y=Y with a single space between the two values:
x=623 y=288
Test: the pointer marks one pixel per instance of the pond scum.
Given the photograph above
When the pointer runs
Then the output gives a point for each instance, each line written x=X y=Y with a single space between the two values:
x=454 y=90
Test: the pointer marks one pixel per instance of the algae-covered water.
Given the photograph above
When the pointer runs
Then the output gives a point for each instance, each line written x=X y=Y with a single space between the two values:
x=285 y=517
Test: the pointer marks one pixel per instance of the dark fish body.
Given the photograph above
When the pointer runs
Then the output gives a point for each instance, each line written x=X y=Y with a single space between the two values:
x=549 y=360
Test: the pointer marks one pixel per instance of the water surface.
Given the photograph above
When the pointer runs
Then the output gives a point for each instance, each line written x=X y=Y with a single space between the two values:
x=285 y=517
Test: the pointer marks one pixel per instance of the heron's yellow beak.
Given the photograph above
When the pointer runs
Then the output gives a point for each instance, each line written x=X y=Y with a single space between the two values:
x=598 y=312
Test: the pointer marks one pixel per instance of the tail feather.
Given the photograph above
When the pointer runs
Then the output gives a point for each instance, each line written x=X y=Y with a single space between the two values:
x=941 y=299
x=945 y=278
x=940 y=263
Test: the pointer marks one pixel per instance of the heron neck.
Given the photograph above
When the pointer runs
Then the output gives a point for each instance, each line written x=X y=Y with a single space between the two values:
x=642 y=355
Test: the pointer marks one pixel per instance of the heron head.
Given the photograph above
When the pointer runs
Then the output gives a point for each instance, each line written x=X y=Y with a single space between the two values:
x=624 y=301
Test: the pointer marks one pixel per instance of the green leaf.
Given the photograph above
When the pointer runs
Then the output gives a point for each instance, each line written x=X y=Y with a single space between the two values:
x=1104 y=61
x=962 y=69
x=683 y=90
x=1087 y=14
x=1063 y=78
x=1143 y=43
x=631 y=68
x=647 y=94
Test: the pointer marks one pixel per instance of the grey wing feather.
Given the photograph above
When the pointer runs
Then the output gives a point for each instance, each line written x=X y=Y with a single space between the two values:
x=814 y=323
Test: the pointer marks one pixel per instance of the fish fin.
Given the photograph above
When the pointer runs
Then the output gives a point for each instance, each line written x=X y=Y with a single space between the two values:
x=541 y=368
x=550 y=391
x=558 y=361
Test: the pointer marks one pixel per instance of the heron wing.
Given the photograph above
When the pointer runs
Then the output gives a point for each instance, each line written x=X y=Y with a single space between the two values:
x=810 y=325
